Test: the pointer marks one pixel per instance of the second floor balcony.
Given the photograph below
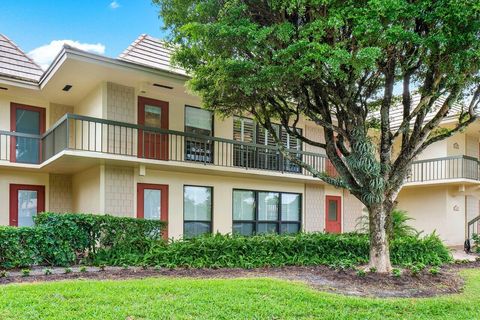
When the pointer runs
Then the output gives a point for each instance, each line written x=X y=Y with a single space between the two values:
x=93 y=137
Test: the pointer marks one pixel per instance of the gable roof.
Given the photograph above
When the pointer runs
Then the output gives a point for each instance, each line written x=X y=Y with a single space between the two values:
x=15 y=63
x=151 y=52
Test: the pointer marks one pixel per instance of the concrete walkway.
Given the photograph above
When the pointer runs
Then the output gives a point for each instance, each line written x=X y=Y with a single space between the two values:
x=459 y=254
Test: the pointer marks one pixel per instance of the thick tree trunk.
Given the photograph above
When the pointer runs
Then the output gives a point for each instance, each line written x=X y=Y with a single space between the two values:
x=379 y=249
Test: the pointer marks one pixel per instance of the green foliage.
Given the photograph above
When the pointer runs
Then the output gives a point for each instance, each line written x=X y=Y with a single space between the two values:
x=47 y=271
x=476 y=242
x=434 y=271
x=83 y=269
x=3 y=274
x=397 y=273
x=372 y=270
x=25 y=272
x=63 y=239
x=400 y=226
x=340 y=251
x=361 y=273
x=68 y=270
x=102 y=267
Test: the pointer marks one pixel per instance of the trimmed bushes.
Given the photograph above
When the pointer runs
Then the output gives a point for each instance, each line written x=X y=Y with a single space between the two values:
x=281 y=250
x=64 y=239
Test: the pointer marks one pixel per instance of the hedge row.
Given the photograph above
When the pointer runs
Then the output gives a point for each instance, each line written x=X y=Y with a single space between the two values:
x=65 y=239
x=69 y=238
x=220 y=251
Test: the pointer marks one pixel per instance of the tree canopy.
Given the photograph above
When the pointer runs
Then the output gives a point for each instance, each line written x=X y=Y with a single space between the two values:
x=344 y=65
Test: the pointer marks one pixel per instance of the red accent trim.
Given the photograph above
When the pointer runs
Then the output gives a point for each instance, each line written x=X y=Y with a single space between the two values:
x=164 y=202
x=14 y=188
x=333 y=226
x=158 y=148
x=13 y=127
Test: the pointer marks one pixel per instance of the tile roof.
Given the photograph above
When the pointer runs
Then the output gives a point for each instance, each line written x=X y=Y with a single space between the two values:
x=151 y=52
x=14 y=63
x=396 y=113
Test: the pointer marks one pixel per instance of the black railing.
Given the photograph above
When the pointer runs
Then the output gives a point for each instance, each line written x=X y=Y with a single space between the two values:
x=81 y=133
x=456 y=167
x=473 y=227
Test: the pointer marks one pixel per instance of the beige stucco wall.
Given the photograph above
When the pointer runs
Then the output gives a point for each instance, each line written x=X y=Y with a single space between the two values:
x=314 y=204
x=119 y=191
x=353 y=209
x=436 y=208
x=222 y=194
x=59 y=110
x=86 y=187
x=93 y=103
x=8 y=177
x=60 y=194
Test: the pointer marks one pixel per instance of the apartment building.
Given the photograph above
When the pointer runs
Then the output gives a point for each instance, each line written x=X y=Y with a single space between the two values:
x=124 y=136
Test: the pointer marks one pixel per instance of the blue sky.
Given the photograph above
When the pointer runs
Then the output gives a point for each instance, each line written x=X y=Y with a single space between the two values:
x=112 y=25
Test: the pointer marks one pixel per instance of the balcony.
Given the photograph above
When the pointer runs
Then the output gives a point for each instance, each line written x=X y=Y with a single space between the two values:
x=94 y=137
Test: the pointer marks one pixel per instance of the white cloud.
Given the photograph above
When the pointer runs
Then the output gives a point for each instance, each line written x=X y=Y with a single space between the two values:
x=45 y=54
x=114 y=5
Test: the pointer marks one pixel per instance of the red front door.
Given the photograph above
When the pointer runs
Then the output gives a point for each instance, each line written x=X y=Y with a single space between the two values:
x=333 y=214
x=25 y=202
x=152 y=114
x=152 y=203
x=28 y=120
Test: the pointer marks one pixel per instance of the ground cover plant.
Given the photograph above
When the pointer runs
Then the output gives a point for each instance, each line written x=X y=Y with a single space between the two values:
x=159 y=298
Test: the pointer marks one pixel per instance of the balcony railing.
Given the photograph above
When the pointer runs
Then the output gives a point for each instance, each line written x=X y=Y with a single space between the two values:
x=81 y=133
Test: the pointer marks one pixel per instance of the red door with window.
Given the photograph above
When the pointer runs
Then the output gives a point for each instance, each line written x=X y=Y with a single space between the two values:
x=333 y=214
x=28 y=120
x=152 y=114
x=26 y=201
x=152 y=203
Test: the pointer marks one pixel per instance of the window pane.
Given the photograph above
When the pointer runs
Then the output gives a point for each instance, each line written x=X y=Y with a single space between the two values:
x=152 y=200
x=267 y=228
x=153 y=116
x=27 y=149
x=243 y=228
x=243 y=205
x=194 y=229
x=290 y=228
x=197 y=202
x=268 y=206
x=290 y=207
x=332 y=210
x=199 y=119
x=27 y=207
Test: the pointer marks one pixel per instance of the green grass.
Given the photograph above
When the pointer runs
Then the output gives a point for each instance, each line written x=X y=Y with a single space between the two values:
x=161 y=298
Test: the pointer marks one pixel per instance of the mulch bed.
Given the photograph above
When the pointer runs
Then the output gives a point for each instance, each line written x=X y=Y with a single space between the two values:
x=319 y=277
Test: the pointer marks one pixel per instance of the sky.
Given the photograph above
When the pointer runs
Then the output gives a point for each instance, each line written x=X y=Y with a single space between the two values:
x=40 y=27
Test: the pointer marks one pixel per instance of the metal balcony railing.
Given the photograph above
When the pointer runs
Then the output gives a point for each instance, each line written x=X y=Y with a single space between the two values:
x=81 y=133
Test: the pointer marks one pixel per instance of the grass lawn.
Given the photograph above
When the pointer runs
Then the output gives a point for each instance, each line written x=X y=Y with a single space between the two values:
x=158 y=298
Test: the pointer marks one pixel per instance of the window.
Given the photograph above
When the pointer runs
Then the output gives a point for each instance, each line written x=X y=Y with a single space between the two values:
x=199 y=122
x=257 y=212
x=25 y=202
x=246 y=130
x=197 y=211
x=29 y=120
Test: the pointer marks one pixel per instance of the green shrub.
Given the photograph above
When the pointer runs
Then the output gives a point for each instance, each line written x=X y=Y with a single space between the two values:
x=68 y=270
x=113 y=238
x=3 y=274
x=372 y=270
x=397 y=273
x=25 y=272
x=24 y=247
x=64 y=239
x=47 y=271
x=400 y=226
x=361 y=273
x=340 y=251
x=83 y=269
x=434 y=271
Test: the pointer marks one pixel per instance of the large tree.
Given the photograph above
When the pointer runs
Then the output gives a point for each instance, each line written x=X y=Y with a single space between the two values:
x=338 y=64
